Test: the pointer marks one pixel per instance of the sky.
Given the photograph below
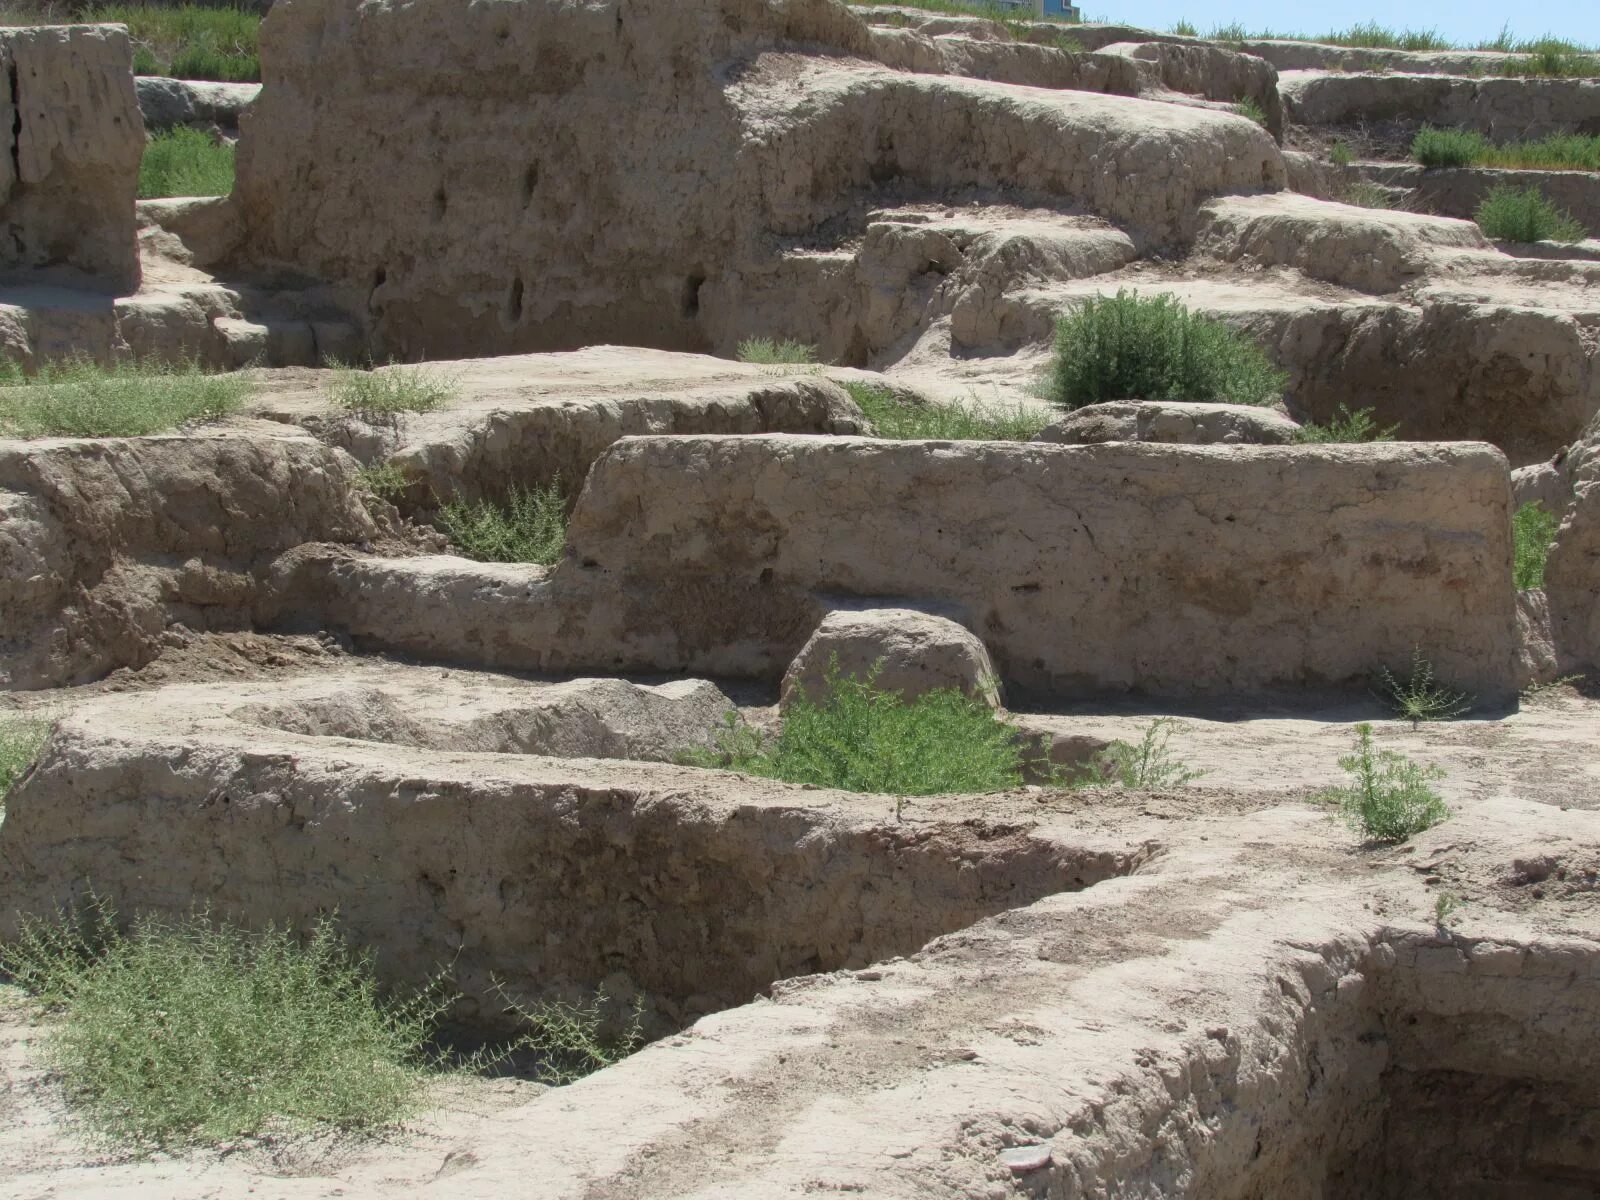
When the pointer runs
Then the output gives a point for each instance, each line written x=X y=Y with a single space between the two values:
x=1463 y=21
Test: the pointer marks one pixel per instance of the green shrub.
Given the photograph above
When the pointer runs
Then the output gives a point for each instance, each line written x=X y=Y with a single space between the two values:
x=1389 y=798
x=1447 y=147
x=862 y=739
x=1340 y=154
x=1513 y=214
x=20 y=740
x=83 y=399
x=1420 y=697
x=768 y=352
x=529 y=526
x=1346 y=426
x=391 y=390
x=1148 y=765
x=893 y=417
x=1250 y=108
x=185 y=162
x=385 y=481
x=189 y=42
x=184 y=1031
x=187 y=1030
x=1185 y=29
x=1533 y=530
x=1127 y=347
x=1550 y=59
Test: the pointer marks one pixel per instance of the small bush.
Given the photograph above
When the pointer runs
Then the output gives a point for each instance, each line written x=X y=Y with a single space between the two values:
x=768 y=352
x=185 y=162
x=1389 y=798
x=390 y=391
x=189 y=42
x=1533 y=530
x=1340 y=154
x=1149 y=765
x=1185 y=29
x=1420 y=697
x=1513 y=214
x=1127 y=347
x=568 y=1038
x=902 y=420
x=83 y=399
x=1250 y=108
x=385 y=481
x=184 y=1031
x=529 y=526
x=1346 y=426
x=862 y=739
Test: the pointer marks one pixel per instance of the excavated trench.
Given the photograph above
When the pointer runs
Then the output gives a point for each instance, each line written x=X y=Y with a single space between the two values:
x=1453 y=1070
x=466 y=842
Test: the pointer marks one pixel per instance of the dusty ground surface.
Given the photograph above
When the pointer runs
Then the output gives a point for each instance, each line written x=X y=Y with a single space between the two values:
x=913 y=1077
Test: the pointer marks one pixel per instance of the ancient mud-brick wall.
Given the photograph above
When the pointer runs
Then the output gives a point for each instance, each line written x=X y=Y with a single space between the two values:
x=1164 y=568
x=70 y=179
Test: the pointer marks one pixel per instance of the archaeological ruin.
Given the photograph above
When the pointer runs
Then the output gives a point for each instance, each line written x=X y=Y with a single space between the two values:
x=563 y=409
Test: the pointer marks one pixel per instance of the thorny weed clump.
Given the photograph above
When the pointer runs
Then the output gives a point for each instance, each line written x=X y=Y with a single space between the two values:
x=895 y=418
x=384 y=481
x=391 y=390
x=1346 y=426
x=1389 y=798
x=176 y=1031
x=1420 y=697
x=528 y=526
x=770 y=352
x=81 y=398
x=21 y=738
x=1148 y=765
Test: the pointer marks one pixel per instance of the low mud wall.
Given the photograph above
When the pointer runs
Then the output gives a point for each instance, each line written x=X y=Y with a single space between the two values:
x=1173 y=570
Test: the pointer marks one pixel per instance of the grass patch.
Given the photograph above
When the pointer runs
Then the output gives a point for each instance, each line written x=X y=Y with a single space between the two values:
x=768 y=352
x=1550 y=58
x=185 y=162
x=1420 y=697
x=1533 y=531
x=1185 y=29
x=1250 y=108
x=900 y=419
x=1512 y=214
x=1128 y=347
x=184 y=1031
x=393 y=390
x=1003 y=14
x=1389 y=798
x=84 y=399
x=528 y=526
x=1366 y=35
x=1148 y=765
x=862 y=739
x=1365 y=194
x=1346 y=426
x=1340 y=154
x=1464 y=148
x=189 y=42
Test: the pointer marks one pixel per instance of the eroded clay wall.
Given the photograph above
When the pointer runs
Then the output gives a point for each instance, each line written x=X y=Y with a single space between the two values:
x=1168 y=569
x=68 y=185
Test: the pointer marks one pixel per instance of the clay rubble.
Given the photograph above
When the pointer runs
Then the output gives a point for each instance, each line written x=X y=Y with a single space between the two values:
x=277 y=694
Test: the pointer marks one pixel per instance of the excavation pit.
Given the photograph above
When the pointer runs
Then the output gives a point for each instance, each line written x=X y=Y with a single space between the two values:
x=425 y=812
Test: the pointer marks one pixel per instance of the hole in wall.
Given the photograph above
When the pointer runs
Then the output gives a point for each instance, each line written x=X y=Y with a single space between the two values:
x=530 y=180
x=511 y=311
x=690 y=303
x=441 y=204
